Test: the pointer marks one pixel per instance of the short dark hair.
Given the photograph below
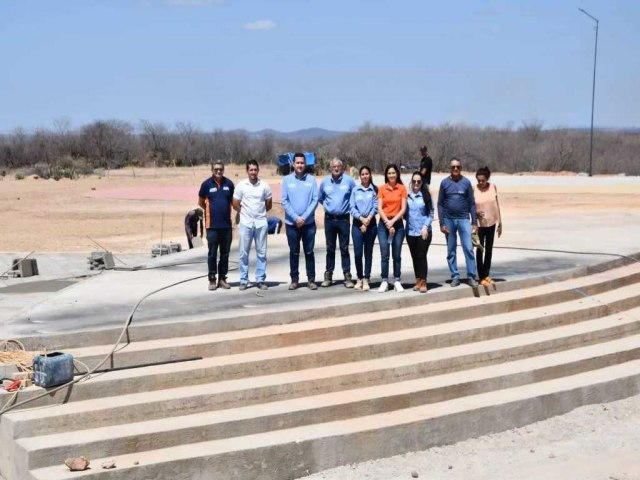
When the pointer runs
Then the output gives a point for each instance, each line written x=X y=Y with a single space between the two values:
x=299 y=154
x=252 y=162
x=456 y=159
x=484 y=171
x=217 y=162
x=423 y=148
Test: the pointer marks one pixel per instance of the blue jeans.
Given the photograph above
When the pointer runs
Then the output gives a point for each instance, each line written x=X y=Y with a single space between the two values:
x=218 y=238
x=306 y=234
x=396 y=248
x=462 y=227
x=337 y=228
x=257 y=234
x=363 y=242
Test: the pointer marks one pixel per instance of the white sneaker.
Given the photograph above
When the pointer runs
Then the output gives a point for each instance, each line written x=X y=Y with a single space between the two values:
x=384 y=286
x=365 y=285
x=397 y=286
x=358 y=285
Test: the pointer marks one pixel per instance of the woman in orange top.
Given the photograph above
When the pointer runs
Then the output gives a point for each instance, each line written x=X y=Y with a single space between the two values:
x=488 y=208
x=392 y=204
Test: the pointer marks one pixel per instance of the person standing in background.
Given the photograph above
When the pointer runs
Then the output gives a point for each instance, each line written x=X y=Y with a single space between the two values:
x=488 y=209
x=426 y=166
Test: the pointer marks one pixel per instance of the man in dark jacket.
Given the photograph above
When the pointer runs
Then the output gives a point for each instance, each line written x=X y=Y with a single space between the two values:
x=191 y=221
x=426 y=166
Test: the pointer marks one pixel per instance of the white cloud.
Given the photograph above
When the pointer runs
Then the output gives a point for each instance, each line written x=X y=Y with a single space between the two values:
x=192 y=3
x=260 y=25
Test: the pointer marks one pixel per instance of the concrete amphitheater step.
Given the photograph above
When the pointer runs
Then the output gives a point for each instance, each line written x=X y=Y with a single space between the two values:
x=281 y=313
x=325 y=329
x=381 y=371
x=166 y=432
x=360 y=349
x=290 y=452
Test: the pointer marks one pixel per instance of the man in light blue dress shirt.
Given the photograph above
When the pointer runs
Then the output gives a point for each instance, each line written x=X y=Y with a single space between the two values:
x=334 y=195
x=300 y=200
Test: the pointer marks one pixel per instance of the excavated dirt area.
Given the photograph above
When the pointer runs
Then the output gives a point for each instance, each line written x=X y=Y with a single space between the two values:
x=131 y=209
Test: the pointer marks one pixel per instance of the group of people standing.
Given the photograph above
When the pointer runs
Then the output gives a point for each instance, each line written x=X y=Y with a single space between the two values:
x=350 y=210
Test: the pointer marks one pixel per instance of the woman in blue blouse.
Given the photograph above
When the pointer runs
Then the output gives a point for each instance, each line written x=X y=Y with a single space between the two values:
x=363 y=206
x=420 y=216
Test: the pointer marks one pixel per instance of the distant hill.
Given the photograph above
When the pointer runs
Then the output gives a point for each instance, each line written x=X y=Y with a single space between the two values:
x=295 y=136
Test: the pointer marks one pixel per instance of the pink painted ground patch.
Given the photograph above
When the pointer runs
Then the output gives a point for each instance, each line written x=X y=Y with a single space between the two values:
x=178 y=193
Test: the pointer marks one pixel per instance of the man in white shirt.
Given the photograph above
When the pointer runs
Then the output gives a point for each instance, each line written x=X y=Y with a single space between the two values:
x=252 y=199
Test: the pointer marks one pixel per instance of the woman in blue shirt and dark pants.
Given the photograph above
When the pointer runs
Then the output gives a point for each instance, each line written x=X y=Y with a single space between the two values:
x=363 y=206
x=420 y=216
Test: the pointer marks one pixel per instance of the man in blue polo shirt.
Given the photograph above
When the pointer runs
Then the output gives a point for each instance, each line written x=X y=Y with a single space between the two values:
x=215 y=198
x=334 y=194
x=456 y=204
x=299 y=200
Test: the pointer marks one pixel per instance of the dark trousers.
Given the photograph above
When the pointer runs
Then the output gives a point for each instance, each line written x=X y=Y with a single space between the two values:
x=337 y=228
x=486 y=236
x=419 y=248
x=307 y=235
x=363 y=242
x=190 y=235
x=218 y=238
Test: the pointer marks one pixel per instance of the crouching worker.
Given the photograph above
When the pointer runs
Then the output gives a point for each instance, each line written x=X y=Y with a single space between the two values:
x=191 y=221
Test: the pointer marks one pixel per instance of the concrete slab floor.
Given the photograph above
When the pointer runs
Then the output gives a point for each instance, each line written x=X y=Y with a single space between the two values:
x=105 y=300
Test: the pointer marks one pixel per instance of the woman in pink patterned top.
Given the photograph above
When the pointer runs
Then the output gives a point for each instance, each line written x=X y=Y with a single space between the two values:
x=488 y=208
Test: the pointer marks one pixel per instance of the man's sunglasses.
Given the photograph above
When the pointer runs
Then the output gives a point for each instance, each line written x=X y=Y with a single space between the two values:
x=456 y=167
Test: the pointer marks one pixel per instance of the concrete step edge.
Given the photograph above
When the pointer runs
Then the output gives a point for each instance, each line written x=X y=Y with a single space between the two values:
x=245 y=320
x=238 y=421
x=300 y=450
x=308 y=332
x=444 y=360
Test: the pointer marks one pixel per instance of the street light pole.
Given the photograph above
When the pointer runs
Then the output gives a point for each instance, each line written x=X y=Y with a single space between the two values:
x=593 y=90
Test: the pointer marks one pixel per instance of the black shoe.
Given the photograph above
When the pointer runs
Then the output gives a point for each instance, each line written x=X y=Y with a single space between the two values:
x=328 y=279
x=293 y=285
x=455 y=282
x=262 y=286
x=312 y=285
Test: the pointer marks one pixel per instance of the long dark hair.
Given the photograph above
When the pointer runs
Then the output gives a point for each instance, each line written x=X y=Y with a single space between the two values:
x=426 y=194
x=386 y=171
x=366 y=167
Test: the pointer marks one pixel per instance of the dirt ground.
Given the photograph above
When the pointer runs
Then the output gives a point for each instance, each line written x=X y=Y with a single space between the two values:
x=70 y=215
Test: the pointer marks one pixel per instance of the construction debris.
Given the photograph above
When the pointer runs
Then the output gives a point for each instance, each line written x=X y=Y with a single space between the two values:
x=108 y=464
x=160 y=249
x=101 y=261
x=77 y=464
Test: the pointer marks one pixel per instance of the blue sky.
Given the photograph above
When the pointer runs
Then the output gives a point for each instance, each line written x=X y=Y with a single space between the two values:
x=291 y=64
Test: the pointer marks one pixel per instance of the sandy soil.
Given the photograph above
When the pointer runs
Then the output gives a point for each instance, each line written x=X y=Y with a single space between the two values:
x=65 y=216
x=595 y=442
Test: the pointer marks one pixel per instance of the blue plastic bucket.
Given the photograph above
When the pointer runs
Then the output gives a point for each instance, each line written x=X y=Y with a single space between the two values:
x=53 y=369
